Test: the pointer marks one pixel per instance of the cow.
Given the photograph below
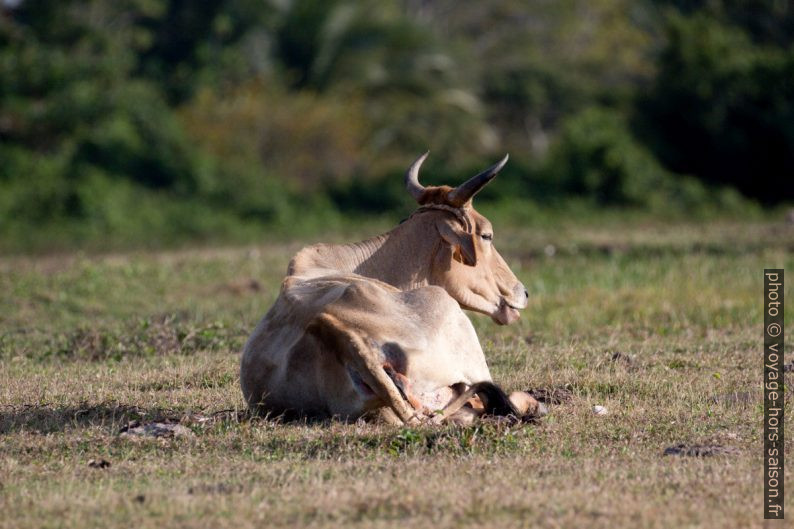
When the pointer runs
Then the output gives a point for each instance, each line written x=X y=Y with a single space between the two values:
x=377 y=328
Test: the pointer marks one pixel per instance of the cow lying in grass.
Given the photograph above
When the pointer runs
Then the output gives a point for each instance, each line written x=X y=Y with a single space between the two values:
x=377 y=327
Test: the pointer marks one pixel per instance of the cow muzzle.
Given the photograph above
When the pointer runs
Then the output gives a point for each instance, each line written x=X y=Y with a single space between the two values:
x=507 y=312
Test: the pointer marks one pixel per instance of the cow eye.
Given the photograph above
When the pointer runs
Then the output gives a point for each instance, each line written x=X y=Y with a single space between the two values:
x=487 y=236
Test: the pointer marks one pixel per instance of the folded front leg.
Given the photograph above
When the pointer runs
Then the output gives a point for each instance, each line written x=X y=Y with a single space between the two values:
x=364 y=360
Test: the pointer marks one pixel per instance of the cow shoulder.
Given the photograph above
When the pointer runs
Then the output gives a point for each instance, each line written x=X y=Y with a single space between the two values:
x=433 y=303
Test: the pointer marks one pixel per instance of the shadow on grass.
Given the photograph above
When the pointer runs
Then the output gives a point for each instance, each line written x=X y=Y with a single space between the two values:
x=115 y=416
x=48 y=419
x=283 y=439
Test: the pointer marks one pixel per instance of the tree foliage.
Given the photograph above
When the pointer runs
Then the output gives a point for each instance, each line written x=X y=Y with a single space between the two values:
x=722 y=108
x=165 y=118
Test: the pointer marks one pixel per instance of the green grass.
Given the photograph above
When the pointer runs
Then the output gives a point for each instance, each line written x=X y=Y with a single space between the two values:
x=90 y=342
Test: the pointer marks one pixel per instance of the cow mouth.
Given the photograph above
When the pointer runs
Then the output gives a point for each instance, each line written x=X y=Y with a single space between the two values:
x=506 y=314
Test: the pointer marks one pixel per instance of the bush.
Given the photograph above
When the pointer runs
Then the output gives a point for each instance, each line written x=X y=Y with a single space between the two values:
x=722 y=108
x=145 y=121
x=598 y=157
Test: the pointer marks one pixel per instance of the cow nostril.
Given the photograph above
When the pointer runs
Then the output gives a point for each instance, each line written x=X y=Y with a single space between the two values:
x=526 y=294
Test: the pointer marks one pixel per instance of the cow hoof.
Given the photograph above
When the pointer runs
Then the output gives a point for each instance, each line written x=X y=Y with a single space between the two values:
x=464 y=417
x=526 y=405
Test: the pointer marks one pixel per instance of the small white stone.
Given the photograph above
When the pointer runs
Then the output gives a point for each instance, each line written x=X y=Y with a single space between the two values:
x=600 y=410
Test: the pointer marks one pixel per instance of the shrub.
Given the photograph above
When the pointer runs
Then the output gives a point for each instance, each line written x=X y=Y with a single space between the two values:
x=722 y=108
x=598 y=157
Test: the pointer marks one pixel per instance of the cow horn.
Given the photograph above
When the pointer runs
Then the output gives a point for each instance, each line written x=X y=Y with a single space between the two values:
x=412 y=178
x=465 y=191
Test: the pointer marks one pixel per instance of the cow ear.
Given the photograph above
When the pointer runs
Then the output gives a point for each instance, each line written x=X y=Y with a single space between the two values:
x=461 y=241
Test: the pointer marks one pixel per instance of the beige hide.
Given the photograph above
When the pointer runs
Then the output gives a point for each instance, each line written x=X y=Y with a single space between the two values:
x=363 y=326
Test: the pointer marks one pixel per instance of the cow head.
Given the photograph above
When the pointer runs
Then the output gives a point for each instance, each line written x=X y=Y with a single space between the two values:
x=466 y=263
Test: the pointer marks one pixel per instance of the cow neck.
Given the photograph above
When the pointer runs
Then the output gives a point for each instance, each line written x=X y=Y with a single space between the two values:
x=402 y=257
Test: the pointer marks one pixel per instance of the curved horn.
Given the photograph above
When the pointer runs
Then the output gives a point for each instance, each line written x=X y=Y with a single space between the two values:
x=412 y=178
x=465 y=191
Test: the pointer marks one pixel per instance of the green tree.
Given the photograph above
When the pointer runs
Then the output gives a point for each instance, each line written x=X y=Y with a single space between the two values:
x=722 y=108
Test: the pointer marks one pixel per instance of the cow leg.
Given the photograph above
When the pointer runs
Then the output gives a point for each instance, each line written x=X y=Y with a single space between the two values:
x=492 y=400
x=364 y=357
x=455 y=411
x=403 y=385
x=387 y=416
x=384 y=387
x=474 y=408
x=464 y=416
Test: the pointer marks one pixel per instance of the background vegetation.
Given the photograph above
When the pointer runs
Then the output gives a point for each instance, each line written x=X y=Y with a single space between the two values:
x=150 y=122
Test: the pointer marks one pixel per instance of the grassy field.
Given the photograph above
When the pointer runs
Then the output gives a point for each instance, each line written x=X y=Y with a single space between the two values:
x=91 y=343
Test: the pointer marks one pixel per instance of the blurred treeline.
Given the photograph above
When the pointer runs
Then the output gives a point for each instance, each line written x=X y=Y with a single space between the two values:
x=159 y=120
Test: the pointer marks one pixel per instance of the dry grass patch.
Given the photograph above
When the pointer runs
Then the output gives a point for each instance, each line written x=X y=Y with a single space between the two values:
x=661 y=328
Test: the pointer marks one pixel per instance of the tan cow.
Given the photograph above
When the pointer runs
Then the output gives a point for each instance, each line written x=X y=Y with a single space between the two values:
x=378 y=325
